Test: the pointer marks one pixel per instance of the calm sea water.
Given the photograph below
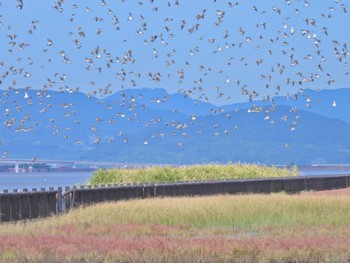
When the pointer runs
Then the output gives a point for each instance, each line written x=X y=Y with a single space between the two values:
x=12 y=181
x=324 y=172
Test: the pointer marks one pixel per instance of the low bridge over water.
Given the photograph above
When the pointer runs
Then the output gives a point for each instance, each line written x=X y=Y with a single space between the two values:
x=58 y=163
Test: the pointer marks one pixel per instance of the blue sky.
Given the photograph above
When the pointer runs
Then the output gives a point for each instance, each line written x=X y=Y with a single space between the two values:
x=235 y=52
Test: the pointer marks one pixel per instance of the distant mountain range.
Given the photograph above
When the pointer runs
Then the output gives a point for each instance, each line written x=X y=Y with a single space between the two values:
x=319 y=102
x=152 y=126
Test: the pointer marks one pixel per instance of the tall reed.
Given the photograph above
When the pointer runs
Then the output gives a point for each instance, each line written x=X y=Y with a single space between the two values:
x=188 y=173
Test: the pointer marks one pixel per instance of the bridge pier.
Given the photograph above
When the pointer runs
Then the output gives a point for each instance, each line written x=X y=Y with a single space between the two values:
x=16 y=167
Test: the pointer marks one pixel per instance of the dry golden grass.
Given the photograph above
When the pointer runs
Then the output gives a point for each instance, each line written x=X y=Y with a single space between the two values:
x=249 y=212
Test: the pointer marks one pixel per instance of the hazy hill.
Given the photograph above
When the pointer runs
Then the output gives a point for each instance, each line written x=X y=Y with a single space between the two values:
x=320 y=102
x=63 y=126
x=54 y=125
x=159 y=99
x=250 y=138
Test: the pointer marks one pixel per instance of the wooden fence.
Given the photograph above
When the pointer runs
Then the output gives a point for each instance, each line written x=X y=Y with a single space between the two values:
x=29 y=205
x=89 y=195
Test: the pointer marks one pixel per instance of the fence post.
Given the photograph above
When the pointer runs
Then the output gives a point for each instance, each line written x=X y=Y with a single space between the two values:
x=44 y=203
x=59 y=201
x=5 y=206
x=24 y=200
x=34 y=204
x=15 y=205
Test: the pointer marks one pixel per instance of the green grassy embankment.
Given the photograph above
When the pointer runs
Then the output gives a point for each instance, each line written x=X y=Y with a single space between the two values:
x=188 y=173
x=243 y=228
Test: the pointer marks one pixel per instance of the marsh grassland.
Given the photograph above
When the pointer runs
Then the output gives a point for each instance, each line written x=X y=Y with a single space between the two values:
x=189 y=173
x=309 y=227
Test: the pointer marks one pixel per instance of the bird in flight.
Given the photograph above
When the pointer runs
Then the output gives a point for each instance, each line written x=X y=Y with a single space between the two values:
x=20 y=4
x=222 y=56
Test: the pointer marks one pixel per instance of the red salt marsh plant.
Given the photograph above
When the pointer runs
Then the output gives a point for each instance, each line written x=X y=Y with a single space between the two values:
x=221 y=247
x=249 y=228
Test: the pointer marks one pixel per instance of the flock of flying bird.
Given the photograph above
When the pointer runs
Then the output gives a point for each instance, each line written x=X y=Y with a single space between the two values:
x=219 y=59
